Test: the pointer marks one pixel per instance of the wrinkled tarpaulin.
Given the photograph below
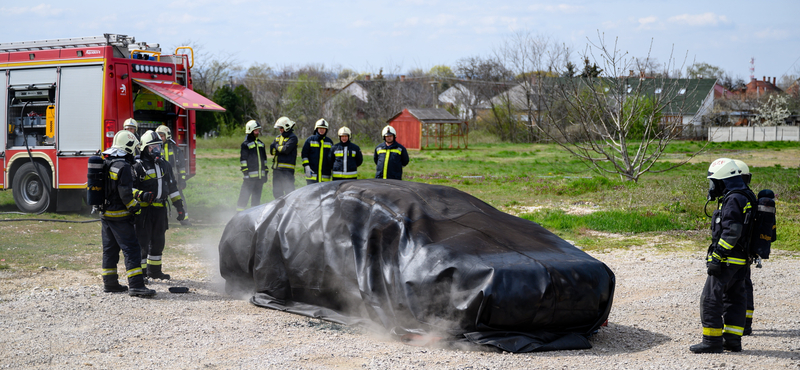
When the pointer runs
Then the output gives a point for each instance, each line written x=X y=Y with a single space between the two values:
x=417 y=258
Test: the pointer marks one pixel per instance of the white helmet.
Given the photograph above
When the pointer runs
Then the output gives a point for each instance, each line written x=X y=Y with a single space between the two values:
x=126 y=141
x=344 y=131
x=163 y=129
x=149 y=138
x=722 y=168
x=130 y=122
x=744 y=170
x=321 y=123
x=251 y=126
x=285 y=123
x=388 y=130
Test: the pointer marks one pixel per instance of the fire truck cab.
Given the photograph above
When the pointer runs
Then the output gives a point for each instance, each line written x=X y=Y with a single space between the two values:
x=63 y=100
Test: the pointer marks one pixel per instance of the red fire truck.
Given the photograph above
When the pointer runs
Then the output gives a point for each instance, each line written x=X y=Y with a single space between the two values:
x=63 y=100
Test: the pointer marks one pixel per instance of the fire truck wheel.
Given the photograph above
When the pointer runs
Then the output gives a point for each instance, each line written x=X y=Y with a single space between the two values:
x=31 y=194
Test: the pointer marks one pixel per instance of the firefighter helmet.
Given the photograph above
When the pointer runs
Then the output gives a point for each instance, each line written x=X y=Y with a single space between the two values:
x=744 y=170
x=130 y=122
x=285 y=123
x=150 y=138
x=344 y=131
x=722 y=168
x=251 y=126
x=126 y=141
x=388 y=130
x=321 y=123
x=163 y=129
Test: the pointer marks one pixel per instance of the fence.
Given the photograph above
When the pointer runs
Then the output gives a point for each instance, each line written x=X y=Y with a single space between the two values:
x=755 y=133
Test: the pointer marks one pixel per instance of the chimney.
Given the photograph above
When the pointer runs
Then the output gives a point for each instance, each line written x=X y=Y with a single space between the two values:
x=402 y=78
x=763 y=78
x=773 y=80
x=366 y=78
x=630 y=72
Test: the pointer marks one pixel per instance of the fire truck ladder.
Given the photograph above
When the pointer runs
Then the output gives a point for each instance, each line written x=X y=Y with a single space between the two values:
x=75 y=42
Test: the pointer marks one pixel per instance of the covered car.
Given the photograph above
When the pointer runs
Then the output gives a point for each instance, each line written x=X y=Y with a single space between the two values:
x=417 y=259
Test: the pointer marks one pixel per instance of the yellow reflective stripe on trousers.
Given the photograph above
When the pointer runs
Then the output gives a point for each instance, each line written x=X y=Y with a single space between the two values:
x=730 y=329
x=712 y=332
x=120 y=213
x=285 y=165
x=749 y=314
x=736 y=261
x=134 y=271
x=107 y=272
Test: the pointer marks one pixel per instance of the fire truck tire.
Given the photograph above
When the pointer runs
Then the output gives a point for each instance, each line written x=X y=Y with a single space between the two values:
x=31 y=194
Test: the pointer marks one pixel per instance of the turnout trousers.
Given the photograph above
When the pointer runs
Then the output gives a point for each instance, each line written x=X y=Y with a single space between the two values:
x=151 y=227
x=751 y=306
x=723 y=302
x=251 y=191
x=120 y=236
x=282 y=182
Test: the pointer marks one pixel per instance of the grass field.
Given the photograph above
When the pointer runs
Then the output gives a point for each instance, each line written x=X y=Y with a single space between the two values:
x=539 y=182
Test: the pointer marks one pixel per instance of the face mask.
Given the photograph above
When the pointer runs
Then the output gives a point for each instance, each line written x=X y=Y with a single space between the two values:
x=715 y=189
x=155 y=150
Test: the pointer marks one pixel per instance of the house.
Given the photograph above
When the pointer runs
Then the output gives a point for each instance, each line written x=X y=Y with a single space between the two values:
x=756 y=88
x=429 y=127
x=371 y=98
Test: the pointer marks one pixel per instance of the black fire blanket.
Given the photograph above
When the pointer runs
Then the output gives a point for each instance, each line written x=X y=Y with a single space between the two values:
x=417 y=260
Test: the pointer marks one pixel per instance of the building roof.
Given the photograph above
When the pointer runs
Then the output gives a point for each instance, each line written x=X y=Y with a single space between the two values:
x=430 y=115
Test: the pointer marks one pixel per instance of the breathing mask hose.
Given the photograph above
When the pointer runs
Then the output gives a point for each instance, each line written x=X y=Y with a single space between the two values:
x=705 y=208
x=30 y=155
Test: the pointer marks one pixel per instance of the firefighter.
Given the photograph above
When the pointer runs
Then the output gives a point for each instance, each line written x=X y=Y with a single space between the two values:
x=117 y=219
x=153 y=186
x=723 y=301
x=284 y=151
x=345 y=157
x=131 y=125
x=174 y=156
x=316 y=154
x=253 y=158
x=390 y=157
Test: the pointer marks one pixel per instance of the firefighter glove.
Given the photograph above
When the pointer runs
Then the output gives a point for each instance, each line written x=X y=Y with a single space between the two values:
x=308 y=171
x=181 y=210
x=134 y=209
x=146 y=196
x=714 y=267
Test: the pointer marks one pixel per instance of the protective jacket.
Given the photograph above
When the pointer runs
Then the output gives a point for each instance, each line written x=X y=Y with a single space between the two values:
x=119 y=196
x=155 y=175
x=316 y=155
x=729 y=236
x=253 y=158
x=284 y=148
x=174 y=155
x=390 y=160
x=345 y=158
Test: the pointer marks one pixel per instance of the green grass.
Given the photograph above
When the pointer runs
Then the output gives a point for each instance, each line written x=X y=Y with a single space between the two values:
x=507 y=176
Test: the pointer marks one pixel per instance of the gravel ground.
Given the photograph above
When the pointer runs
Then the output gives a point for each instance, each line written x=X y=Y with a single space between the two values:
x=62 y=319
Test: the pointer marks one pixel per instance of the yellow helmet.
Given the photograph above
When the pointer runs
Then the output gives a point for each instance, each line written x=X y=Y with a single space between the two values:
x=125 y=141
x=163 y=129
x=344 y=131
x=251 y=126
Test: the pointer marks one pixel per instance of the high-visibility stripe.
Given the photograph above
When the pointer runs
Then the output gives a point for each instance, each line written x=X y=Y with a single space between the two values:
x=134 y=271
x=725 y=244
x=730 y=329
x=109 y=272
x=736 y=261
x=766 y=209
x=712 y=332
x=285 y=165
x=746 y=207
x=748 y=314
x=120 y=213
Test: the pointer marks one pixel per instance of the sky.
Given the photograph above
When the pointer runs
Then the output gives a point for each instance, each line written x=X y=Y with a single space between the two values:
x=402 y=35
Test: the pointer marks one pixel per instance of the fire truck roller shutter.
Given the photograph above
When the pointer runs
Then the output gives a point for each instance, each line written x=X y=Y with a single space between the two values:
x=80 y=110
x=4 y=129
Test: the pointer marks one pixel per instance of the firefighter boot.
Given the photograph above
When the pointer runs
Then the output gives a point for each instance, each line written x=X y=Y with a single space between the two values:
x=137 y=287
x=154 y=272
x=732 y=342
x=111 y=285
x=709 y=345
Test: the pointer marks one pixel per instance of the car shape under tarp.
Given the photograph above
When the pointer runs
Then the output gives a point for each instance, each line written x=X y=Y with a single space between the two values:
x=416 y=259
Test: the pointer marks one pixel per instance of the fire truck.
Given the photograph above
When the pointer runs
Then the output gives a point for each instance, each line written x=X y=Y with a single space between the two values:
x=63 y=100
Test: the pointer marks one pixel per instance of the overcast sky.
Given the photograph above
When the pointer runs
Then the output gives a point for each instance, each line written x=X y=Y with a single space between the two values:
x=402 y=35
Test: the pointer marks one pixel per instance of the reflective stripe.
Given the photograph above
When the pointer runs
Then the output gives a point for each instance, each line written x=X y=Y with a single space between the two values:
x=253 y=173
x=746 y=207
x=725 y=244
x=736 y=261
x=712 y=332
x=244 y=163
x=285 y=165
x=131 y=203
x=154 y=204
x=749 y=314
x=766 y=209
x=120 y=213
x=175 y=194
x=730 y=329
x=134 y=271
x=251 y=145
x=109 y=272
x=154 y=260
x=345 y=174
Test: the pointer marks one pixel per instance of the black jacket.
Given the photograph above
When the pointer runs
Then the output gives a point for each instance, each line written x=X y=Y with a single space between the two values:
x=345 y=159
x=316 y=154
x=174 y=155
x=155 y=175
x=390 y=161
x=253 y=158
x=728 y=232
x=284 y=147
x=118 y=190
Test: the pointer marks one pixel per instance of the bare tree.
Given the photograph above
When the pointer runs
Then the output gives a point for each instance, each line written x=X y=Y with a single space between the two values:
x=615 y=124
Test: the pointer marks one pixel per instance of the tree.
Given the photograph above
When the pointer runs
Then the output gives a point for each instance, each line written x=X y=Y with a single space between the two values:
x=613 y=124
x=239 y=108
x=590 y=71
x=704 y=70
x=773 y=111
